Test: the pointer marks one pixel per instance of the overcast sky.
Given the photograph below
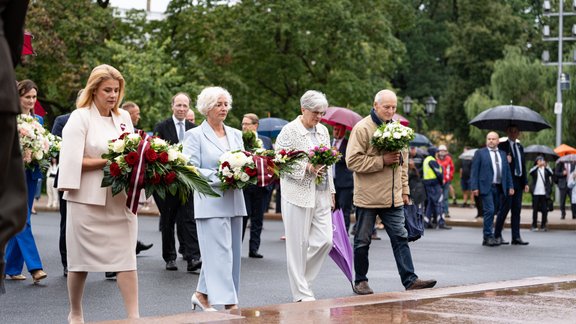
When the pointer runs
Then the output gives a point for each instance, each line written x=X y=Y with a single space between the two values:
x=156 y=5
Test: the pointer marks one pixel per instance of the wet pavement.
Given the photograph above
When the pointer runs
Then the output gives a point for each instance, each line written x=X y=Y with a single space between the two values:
x=532 y=300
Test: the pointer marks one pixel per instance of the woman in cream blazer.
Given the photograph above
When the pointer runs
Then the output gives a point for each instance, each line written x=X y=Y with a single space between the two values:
x=306 y=206
x=100 y=230
x=218 y=220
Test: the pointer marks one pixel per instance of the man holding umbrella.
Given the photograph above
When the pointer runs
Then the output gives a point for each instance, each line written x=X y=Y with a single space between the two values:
x=515 y=156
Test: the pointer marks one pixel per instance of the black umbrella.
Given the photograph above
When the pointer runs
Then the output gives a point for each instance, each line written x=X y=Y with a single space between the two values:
x=420 y=140
x=502 y=117
x=532 y=151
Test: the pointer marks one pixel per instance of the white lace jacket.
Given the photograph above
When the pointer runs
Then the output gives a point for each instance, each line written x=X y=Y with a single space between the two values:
x=299 y=187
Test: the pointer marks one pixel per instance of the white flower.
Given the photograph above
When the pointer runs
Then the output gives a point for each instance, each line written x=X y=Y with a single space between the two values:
x=38 y=155
x=118 y=146
x=172 y=154
x=396 y=135
x=386 y=134
x=244 y=177
x=378 y=133
x=159 y=143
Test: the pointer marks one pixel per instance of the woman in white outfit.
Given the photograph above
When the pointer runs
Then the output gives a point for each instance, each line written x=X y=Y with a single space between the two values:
x=306 y=206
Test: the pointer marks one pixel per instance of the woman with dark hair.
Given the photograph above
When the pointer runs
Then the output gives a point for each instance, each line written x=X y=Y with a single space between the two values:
x=22 y=247
x=100 y=230
x=541 y=190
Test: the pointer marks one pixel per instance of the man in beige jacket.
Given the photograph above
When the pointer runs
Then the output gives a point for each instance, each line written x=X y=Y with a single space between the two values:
x=380 y=190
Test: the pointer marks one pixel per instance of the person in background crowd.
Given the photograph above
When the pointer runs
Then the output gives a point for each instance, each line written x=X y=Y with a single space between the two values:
x=417 y=190
x=516 y=162
x=22 y=247
x=465 y=165
x=255 y=197
x=343 y=178
x=306 y=205
x=100 y=231
x=52 y=192
x=561 y=172
x=445 y=161
x=571 y=184
x=13 y=207
x=541 y=189
x=219 y=219
x=490 y=178
x=380 y=188
x=433 y=181
x=190 y=116
x=172 y=212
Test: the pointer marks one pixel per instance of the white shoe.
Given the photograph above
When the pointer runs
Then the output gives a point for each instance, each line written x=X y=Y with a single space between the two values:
x=196 y=302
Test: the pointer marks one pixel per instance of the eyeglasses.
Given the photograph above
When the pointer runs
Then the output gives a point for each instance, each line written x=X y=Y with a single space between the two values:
x=317 y=113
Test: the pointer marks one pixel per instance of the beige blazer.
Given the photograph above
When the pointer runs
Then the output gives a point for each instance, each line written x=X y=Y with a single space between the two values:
x=86 y=134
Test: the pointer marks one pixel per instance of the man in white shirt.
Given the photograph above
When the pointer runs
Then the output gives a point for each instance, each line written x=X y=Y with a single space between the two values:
x=541 y=189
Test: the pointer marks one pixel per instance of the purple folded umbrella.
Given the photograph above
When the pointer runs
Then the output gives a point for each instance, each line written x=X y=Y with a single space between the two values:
x=341 y=251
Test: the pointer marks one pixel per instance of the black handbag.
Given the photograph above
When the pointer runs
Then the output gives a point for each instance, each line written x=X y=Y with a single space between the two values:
x=550 y=204
x=413 y=222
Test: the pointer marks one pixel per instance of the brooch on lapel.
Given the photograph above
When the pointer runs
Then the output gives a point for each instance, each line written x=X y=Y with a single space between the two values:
x=122 y=126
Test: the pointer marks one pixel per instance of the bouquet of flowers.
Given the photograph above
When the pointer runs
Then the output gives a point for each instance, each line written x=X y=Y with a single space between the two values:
x=392 y=137
x=38 y=145
x=251 y=142
x=237 y=170
x=137 y=161
x=323 y=155
x=271 y=164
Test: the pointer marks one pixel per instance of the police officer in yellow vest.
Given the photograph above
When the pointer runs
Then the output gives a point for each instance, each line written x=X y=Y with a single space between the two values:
x=433 y=178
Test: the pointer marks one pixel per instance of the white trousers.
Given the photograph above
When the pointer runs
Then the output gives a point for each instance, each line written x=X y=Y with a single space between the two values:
x=53 y=199
x=308 y=242
x=220 y=240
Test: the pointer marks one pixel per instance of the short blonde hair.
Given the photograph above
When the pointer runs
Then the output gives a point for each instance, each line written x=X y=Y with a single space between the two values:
x=208 y=98
x=98 y=75
x=314 y=101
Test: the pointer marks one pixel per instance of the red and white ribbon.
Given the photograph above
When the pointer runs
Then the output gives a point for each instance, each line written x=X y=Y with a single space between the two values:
x=138 y=173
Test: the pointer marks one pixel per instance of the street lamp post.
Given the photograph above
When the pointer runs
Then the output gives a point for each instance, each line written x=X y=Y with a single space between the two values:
x=429 y=109
x=563 y=80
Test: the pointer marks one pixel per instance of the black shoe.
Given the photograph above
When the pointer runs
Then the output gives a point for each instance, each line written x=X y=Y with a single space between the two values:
x=194 y=265
x=491 y=242
x=362 y=288
x=519 y=242
x=255 y=255
x=110 y=275
x=501 y=241
x=65 y=272
x=446 y=227
x=142 y=247
x=171 y=265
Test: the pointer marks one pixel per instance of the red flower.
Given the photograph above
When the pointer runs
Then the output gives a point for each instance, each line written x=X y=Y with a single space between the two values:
x=151 y=155
x=123 y=135
x=115 y=169
x=282 y=152
x=250 y=172
x=229 y=180
x=170 y=177
x=225 y=164
x=163 y=157
x=131 y=159
x=155 y=179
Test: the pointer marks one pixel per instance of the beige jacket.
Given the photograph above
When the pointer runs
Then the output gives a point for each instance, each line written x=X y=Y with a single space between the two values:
x=86 y=134
x=375 y=185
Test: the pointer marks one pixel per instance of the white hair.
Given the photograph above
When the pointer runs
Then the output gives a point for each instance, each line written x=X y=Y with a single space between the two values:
x=384 y=94
x=208 y=98
x=314 y=101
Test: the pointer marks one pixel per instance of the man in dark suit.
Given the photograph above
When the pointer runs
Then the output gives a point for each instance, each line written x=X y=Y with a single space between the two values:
x=172 y=212
x=490 y=179
x=13 y=202
x=343 y=178
x=255 y=197
x=57 y=128
x=517 y=164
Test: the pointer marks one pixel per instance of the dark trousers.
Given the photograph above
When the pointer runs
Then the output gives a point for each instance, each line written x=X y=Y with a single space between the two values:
x=13 y=191
x=490 y=204
x=434 y=196
x=539 y=204
x=62 y=241
x=344 y=198
x=393 y=220
x=508 y=203
x=255 y=198
x=563 y=194
x=174 y=213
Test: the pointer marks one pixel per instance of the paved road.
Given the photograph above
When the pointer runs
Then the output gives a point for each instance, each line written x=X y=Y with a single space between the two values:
x=453 y=257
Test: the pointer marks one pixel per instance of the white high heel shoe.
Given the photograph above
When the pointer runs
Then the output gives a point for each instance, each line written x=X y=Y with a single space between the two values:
x=196 y=302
